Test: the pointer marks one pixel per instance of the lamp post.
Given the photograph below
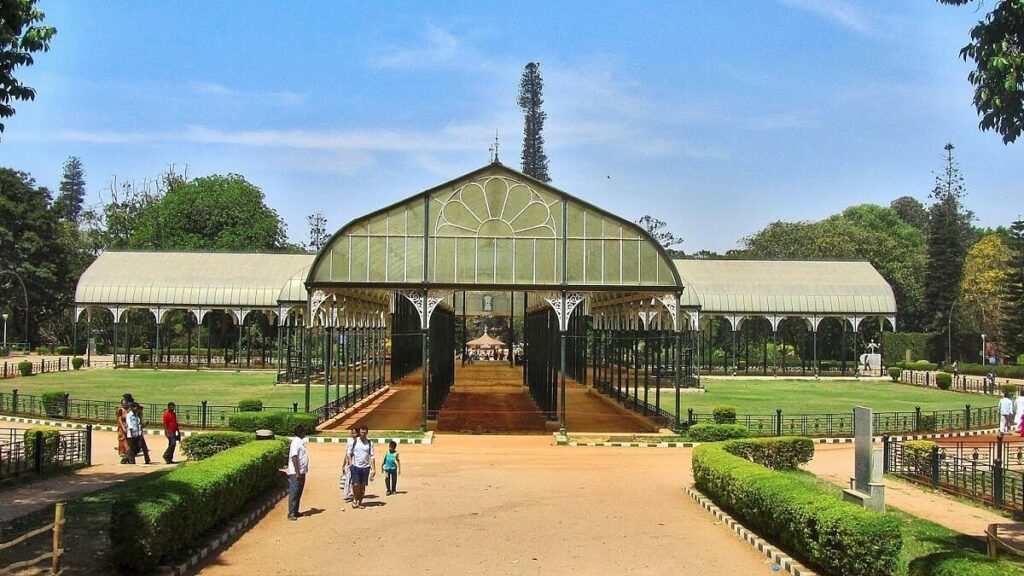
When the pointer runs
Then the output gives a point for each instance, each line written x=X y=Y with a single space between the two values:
x=983 y=362
x=949 y=331
x=24 y=293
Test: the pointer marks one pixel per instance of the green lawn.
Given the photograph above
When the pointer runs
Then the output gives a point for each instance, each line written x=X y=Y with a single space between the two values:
x=183 y=387
x=821 y=396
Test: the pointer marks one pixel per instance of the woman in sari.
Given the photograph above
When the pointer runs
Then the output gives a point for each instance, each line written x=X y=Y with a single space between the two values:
x=122 y=426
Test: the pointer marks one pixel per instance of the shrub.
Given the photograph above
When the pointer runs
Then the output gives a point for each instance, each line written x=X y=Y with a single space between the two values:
x=167 y=513
x=918 y=456
x=250 y=405
x=280 y=423
x=51 y=441
x=64 y=350
x=77 y=362
x=782 y=453
x=999 y=370
x=805 y=518
x=927 y=423
x=724 y=415
x=895 y=373
x=4 y=352
x=53 y=403
x=1010 y=389
x=42 y=350
x=923 y=365
x=943 y=380
x=25 y=368
x=202 y=446
x=144 y=357
x=708 y=432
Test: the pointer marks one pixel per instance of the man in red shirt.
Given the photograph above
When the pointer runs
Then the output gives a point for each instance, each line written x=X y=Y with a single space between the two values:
x=171 y=431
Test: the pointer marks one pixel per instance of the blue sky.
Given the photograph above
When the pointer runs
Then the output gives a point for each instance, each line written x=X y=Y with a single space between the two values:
x=717 y=117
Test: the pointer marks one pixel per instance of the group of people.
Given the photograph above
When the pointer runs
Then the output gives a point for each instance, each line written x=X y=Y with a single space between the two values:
x=131 y=436
x=358 y=468
x=1011 y=413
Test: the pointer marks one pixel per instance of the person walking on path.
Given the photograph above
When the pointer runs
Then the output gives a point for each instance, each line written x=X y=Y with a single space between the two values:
x=122 y=425
x=143 y=447
x=171 y=431
x=362 y=467
x=133 y=430
x=346 y=477
x=298 y=466
x=1005 y=413
x=391 y=468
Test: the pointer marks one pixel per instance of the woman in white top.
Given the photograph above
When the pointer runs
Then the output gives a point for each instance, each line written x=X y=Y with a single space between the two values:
x=362 y=466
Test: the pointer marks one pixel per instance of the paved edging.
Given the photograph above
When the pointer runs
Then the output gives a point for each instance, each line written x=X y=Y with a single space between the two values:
x=428 y=438
x=562 y=440
x=773 y=553
x=227 y=536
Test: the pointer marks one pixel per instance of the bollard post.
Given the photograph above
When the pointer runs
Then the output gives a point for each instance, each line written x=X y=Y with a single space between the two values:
x=689 y=415
x=202 y=415
x=58 y=537
x=886 y=454
x=14 y=401
x=778 y=421
x=295 y=406
x=67 y=405
x=935 y=466
x=917 y=418
x=967 y=416
x=88 y=444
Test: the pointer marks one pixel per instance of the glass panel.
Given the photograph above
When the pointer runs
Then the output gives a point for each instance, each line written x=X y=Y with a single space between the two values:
x=630 y=262
x=650 y=261
x=545 y=261
x=359 y=261
x=524 y=261
x=415 y=252
x=593 y=249
x=575 y=261
x=396 y=259
x=466 y=264
x=443 y=259
x=377 y=262
x=611 y=261
x=505 y=262
x=485 y=260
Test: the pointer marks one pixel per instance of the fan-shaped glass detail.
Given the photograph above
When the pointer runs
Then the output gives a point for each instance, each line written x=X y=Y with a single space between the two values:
x=496 y=207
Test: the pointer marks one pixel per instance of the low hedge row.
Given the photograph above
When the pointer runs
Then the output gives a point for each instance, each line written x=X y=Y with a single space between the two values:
x=780 y=453
x=167 y=513
x=802 y=517
x=202 y=446
x=280 y=423
x=724 y=414
x=923 y=365
x=707 y=432
x=1000 y=370
x=250 y=405
x=51 y=442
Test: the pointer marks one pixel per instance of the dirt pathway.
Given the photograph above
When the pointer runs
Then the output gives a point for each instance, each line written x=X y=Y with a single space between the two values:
x=834 y=462
x=499 y=505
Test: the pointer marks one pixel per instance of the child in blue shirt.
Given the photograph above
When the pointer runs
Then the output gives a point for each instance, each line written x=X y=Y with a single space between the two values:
x=391 y=468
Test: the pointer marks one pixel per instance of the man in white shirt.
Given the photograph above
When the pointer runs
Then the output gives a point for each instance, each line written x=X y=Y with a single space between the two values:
x=133 y=430
x=298 y=466
x=1005 y=413
x=362 y=468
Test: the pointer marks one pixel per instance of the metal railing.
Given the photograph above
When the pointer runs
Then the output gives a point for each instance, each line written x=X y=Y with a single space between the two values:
x=38 y=453
x=623 y=396
x=9 y=369
x=202 y=415
x=352 y=396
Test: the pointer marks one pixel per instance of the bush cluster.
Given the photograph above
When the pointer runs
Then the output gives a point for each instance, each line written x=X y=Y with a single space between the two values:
x=803 y=517
x=77 y=362
x=780 y=453
x=920 y=365
x=51 y=441
x=917 y=455
x=1000 y=370
x=280 y=423
x=894 y=373
x=1010 y=389
x=25 y=368
x=64 y=350
x=53 y=403
x=167 y=513
x=202 y=446
x=250 y=405
x=943 y=380
x=42 y=350
x=708 y=432
x=724 y=414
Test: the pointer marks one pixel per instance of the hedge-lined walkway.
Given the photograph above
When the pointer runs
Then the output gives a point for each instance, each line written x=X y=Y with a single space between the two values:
x=105 y=472
x=499 y=505
x=834 y=462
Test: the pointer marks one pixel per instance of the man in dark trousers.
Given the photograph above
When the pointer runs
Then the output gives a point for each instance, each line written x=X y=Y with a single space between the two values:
x=171 y=431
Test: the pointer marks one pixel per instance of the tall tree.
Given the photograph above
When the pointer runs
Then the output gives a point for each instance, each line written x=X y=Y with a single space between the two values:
x=985 y=275
x=947 y=247
x=911 y=211
x=997 y=48
x=72 y=191
x=317 y=231
x=21 y=35
x=658 y=229
x=531 y=99
x=1013 y=293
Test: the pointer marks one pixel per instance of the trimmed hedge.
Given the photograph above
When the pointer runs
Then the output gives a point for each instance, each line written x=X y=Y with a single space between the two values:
x=280 y=423
x=943 y=380
x=250 y=405
x=165 y=514
x=1000 y=370
x=895 y=373
x=202 y=446
x=64 y=350
x=51 y=441
x=707 y=432
x=896 y=344
x=920 y=365
x=77 y=362
x=724 y=414
x=53 y=403
x=804 y=518
x=25 y=368
x=781 y=453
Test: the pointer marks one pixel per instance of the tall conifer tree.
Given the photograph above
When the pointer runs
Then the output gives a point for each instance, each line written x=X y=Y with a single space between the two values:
x=531 y=98
x=947 y=247
x=1013 y=293
x=72 y=191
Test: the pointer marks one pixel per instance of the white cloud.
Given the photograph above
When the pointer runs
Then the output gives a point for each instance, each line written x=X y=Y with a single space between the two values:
x=439 y=47
x=218 y=91
x=841 y=12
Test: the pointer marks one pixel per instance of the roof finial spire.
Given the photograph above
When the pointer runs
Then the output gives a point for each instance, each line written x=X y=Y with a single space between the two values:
x=494 y=149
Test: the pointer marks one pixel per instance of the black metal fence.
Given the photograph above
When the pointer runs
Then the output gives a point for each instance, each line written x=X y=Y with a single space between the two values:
x=39 y=453
x=353 y=395
x=980 y=473
x=841 y=424
x=960 y=382
x=202 y=415
x=638 y=404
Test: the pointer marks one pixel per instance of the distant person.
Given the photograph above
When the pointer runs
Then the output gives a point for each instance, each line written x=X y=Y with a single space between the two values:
x=391 y=468
x=1005 y=413
x=142 y=446
x=362 y=466
x=122 y=425
x=298 y=466
x=171 y=431
x=346 y=477
x=133 y=430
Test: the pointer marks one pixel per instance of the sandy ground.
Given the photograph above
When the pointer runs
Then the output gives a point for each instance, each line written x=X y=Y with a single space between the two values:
x=106 y=471
x=499 y=505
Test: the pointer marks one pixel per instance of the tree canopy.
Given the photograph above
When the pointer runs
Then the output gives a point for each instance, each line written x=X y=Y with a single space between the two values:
x=658 y=229
x=948 y=240
x=72 y=191
x=1013 y=293
x=531 y=99
x=21 y=35
x=985 y=273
